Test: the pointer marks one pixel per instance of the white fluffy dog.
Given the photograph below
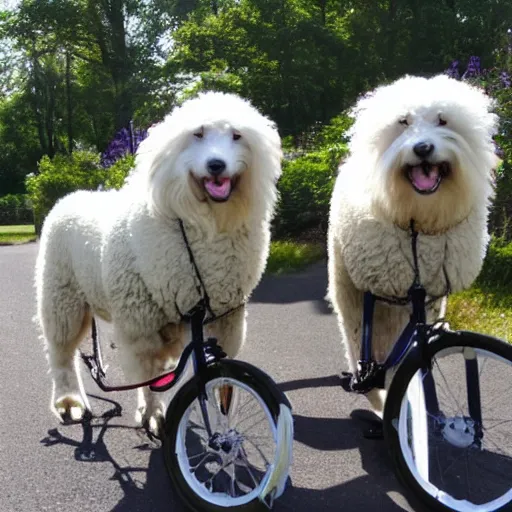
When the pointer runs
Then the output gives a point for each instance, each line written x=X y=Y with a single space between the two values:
x=120 y=255
x=420 y=149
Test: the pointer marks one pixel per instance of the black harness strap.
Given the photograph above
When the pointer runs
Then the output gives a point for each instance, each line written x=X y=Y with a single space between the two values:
x=404 y=301
x=195 y=316
x=201 y=288
x=371 y=374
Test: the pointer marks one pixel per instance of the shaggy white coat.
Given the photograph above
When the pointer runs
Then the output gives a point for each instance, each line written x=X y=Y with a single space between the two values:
x=373 y=202
x=120 y=254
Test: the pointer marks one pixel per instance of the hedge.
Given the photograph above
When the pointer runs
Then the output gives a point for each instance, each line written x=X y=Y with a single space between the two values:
x=15 y=209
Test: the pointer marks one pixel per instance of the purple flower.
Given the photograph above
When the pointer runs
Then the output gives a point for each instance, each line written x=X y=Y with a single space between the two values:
x=121 y=145
x=505 y=79
x=453 y=70
x=473 y=68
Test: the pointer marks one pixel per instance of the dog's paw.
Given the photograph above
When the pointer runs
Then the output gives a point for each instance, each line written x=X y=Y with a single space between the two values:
x=70 y=409
x=152 y=421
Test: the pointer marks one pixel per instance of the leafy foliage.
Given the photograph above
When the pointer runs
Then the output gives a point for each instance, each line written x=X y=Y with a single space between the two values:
x=497 y=83
x=76 y=72
x=286 y=256
x=15 y=210
x=306 y=184
x=60 y=176
x=118 y=172
x=305 y=189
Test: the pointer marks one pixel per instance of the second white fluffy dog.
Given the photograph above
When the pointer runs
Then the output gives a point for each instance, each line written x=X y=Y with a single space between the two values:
x=120 y=255
x=421 y=149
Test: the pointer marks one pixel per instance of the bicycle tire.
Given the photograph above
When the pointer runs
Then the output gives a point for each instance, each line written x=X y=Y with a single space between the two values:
x=250 y=377
x=413 y=363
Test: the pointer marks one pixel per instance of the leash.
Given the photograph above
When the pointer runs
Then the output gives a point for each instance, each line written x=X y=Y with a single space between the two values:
x=196 y=317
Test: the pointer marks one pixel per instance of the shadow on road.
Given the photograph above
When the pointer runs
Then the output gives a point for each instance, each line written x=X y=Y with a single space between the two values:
x=307 y=286
x=327 y=434
x=154 y=495
x=368 y=492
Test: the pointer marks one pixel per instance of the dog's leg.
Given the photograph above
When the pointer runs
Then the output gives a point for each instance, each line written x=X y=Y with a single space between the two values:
x=230 y=333
x=65 y=324
x=347 y=303
x=146 y=358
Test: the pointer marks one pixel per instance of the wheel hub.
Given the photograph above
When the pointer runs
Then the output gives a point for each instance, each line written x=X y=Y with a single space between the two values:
x=228 y=443
x=459 y=431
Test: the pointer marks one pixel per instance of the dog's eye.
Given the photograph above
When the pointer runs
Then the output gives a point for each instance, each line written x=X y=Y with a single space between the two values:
x=236 y=136
x=198 y=135
x=442 y=122
x=404 y=122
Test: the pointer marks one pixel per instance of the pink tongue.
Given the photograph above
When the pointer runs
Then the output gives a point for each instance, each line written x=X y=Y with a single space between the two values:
x=422 y=181
x=218 y=190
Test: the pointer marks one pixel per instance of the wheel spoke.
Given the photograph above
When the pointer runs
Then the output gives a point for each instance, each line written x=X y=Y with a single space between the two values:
x=465 y=472
x=219 y=468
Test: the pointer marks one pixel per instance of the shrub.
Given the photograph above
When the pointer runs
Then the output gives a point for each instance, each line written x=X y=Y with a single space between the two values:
x=308 y=178
x=496 y=82
x=117 y=173
x=305 y=191
x=287 y=257
x=497 y=269
x=60 y=176
x=124 y=143
x=14 y=210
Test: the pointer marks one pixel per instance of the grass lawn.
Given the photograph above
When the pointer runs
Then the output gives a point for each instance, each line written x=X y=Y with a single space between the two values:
x=288 y=257
x=487 y=306
x=482 y=310
x=16 y=234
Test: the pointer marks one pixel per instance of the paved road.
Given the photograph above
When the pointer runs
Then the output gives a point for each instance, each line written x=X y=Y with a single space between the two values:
x=43 y=465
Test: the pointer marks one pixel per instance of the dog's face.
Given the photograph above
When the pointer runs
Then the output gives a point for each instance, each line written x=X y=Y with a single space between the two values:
x=214 y=161
x=431 y=141
x=216 y=157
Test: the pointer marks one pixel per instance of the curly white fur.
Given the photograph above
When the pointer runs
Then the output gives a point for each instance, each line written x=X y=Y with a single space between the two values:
x=374 y=200
x=120 y=254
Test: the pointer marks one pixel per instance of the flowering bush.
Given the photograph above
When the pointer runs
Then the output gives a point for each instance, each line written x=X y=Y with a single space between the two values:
x=121 y=145
x=496 y=81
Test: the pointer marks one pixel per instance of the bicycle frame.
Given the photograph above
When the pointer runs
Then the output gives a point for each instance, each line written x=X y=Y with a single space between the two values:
x=414 y=337
x=202 y=353
x=406 y=338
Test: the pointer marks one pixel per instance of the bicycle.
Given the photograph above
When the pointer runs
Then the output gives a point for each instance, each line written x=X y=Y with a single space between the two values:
x=214 y=460
x=431 y=435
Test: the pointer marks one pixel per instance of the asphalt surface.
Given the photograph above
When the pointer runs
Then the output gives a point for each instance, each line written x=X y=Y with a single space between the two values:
x=112 y=466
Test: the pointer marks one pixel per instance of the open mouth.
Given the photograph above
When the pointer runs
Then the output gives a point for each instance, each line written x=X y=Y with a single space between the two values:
x=426 y=177
x=219 y=189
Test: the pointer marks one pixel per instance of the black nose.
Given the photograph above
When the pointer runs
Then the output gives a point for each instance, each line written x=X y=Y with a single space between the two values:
x=423 y=149
x=215 y=166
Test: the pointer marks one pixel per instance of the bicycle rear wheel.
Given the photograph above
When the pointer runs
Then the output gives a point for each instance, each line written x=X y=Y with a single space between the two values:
x=449 y=426
x=244 y=464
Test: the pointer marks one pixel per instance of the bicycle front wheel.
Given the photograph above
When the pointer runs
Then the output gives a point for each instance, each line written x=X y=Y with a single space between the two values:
x=448 y=423
x=234 y=450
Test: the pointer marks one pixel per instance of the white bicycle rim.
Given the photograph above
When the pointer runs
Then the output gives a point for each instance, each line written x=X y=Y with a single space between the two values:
x=222 y=499
x=413 y=423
